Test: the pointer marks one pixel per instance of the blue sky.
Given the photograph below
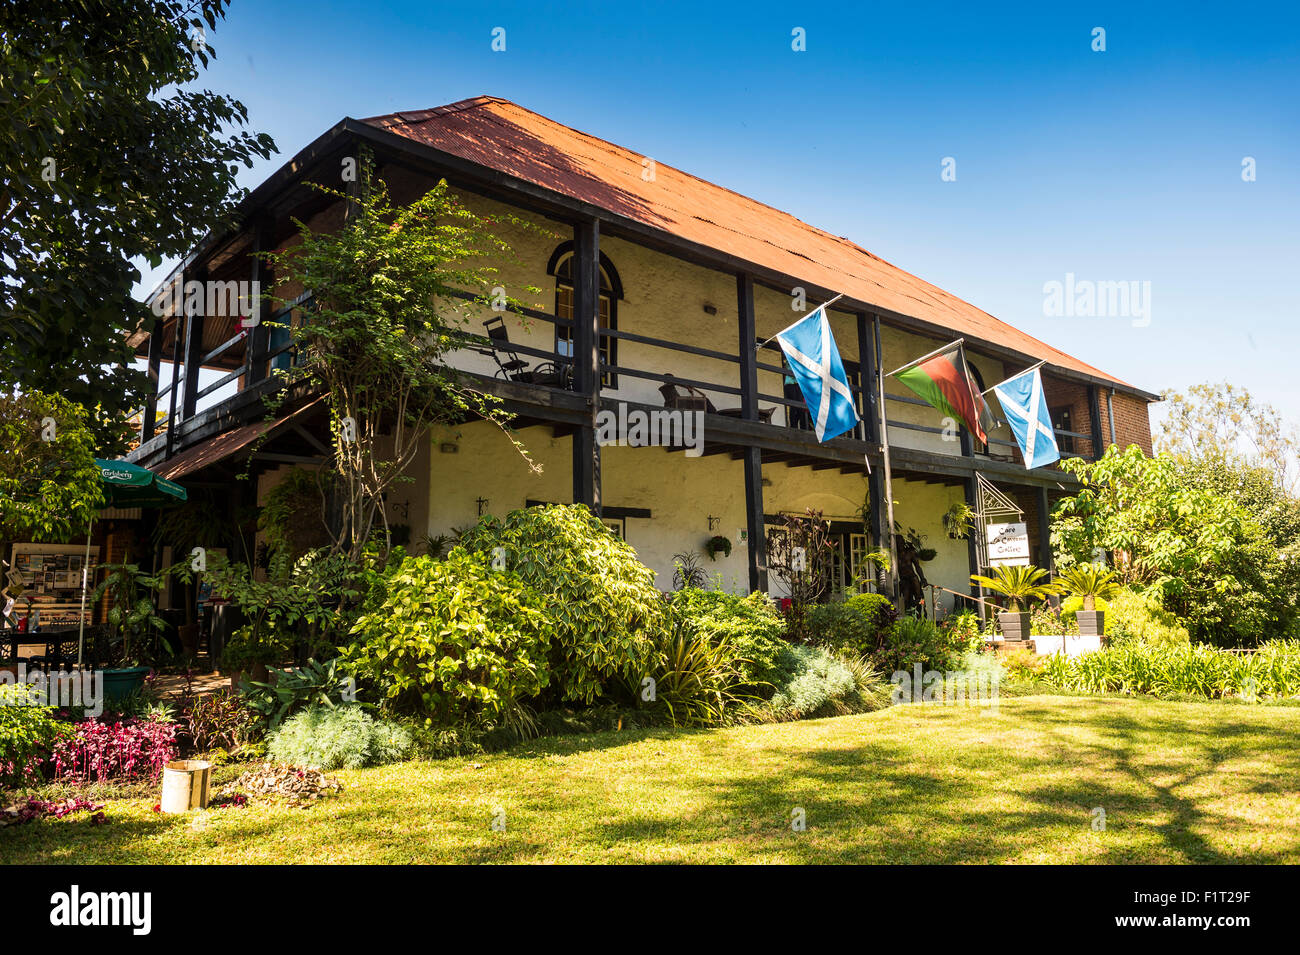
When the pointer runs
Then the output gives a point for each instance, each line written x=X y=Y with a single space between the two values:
x=1122 y=165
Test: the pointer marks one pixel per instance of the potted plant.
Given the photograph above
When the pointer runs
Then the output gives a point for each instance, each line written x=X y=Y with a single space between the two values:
x=1021 y=586
x=1088 y=582
x=958 y=521
x=133 y=622
x=717 y=544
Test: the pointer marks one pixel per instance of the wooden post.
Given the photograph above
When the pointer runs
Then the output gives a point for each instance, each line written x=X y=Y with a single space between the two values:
x=753 y=460
x=194 y=320
x=973 y=541
x=586 y=361
x=261 y=278
x=867 y=372
x=149 y=415
x=176 y=376
x=1044 y=530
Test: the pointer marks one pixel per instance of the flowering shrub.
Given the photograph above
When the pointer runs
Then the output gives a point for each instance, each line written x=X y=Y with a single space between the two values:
x=99 y=750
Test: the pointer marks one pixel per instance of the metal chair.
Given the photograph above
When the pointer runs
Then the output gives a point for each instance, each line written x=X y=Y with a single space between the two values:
x=512 y=366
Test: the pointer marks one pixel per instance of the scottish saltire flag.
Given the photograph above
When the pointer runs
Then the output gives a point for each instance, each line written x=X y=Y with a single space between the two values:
x=815 y=362
x=1025 y=408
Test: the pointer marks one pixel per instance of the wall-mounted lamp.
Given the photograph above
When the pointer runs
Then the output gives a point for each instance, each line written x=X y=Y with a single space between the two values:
x=710 y=309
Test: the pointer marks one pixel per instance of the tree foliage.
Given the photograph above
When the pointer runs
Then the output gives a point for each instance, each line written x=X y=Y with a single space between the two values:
x=601 y=602
x=1204 y=553
x=108 y=158
x=1225 y=422
x=49 y=482
x=385 y=315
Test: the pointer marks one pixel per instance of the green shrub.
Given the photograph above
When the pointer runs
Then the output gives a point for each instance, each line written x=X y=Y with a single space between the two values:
x=450 y=637
x=697 y=678
x=871 y=691
x=342 y=737
x=857 y=623
x=1175 y=669
x=28 y=733
x=811 y=683
x=292 y=688
x=750 y=625
x=912 y=640
x=1046 y=621
x=1138 y=617
x=601 y=603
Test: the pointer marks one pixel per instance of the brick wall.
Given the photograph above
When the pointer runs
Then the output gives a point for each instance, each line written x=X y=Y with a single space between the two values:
x=1074 y=396
x=1132 y=421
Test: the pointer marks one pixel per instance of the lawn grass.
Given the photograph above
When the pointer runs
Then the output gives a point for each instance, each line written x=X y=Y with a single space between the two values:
x=1179 y=782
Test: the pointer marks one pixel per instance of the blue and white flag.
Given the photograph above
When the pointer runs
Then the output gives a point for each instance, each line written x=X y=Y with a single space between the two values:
x=1025 y=407
x=815 y=362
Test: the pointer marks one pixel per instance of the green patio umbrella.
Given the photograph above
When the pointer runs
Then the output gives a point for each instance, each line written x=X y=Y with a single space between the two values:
x=125 y=485
x=129 y=485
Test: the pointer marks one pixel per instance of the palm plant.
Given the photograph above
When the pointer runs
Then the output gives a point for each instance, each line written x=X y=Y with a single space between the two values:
x=1020 y=585
x=1090 y=581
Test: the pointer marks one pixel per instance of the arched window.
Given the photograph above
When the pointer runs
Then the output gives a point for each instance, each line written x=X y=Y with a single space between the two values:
x=611 y=290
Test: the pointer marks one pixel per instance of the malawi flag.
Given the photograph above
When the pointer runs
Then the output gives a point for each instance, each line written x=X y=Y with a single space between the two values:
x=944 y=382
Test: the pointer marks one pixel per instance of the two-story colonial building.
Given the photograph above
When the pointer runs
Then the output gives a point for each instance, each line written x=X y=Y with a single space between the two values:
x=660 y=288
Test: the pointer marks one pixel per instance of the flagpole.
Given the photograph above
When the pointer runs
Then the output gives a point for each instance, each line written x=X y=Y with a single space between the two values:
x=1033 y=367
x=915 y=362
x=825 y=304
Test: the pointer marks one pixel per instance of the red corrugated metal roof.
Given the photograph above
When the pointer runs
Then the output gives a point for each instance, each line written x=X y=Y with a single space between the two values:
x=501 y=135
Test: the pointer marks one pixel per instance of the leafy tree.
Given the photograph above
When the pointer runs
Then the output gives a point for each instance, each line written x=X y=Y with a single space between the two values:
x=1257 y=490
x=385 y=315
x=102 y=167
x=49 y=483
x=1225 y=422
x=1200 y=550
